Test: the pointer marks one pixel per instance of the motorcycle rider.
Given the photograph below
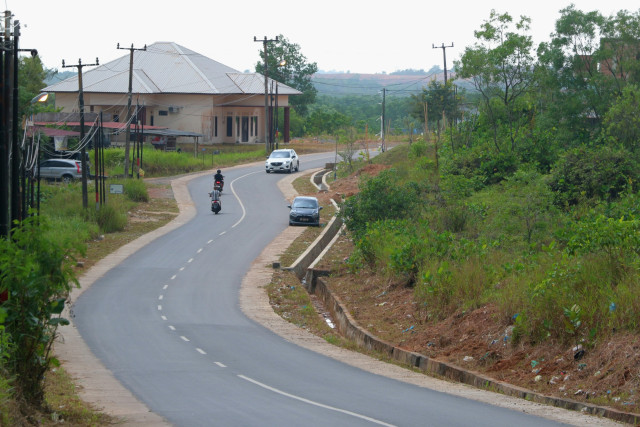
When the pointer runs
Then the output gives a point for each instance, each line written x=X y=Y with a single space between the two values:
x=218 y=177
x=215 y=196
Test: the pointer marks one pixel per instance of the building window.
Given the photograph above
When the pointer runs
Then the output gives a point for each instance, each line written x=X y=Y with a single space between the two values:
x=163 y=113
x=116 y=118
x=229 y=126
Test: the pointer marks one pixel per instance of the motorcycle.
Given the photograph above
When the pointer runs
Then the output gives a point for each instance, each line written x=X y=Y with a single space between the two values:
x=216 y=206
x=218 y=185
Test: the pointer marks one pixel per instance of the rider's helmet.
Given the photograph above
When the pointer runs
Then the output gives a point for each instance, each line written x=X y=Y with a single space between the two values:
x=219 y=171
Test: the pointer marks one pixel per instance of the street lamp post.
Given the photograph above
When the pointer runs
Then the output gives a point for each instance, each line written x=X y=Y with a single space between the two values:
x=266 y=91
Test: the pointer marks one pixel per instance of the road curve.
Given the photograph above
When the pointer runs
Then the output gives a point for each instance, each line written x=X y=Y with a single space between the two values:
x=167 y=323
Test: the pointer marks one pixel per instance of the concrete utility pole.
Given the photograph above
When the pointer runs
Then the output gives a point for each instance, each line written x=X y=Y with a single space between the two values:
x=444 y=54
x=127 y=138
x=83 y=145
x=267 y=142
x=384 y=96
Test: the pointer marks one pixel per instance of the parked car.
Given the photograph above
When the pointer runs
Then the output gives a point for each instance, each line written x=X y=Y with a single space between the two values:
x=305 y=210
x=65 y=170
x=283 y=160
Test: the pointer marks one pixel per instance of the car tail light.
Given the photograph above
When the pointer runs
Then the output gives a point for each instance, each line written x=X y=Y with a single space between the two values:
x=78 y=166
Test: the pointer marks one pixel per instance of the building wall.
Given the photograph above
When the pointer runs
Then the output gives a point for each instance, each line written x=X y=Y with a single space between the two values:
x=219 y=118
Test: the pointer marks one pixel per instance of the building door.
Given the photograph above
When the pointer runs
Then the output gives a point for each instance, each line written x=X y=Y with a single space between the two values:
x=245 y=129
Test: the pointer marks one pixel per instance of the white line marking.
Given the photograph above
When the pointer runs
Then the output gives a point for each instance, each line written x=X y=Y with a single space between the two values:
x=199 y=350
x=220 y=364
x=163 y=317
x=184 y=338
x=209 y=241
x=190 y=260
x=181 y=268
x=173 y=277
x=244 y=212
x=159 y=307
x=311 y=402
x=165 y=287
x=199 y=250
x=160 y=297
x=172 y=327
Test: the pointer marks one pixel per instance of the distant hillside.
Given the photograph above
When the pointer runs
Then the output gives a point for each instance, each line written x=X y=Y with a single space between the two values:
x=58 y=77
x=369 y=84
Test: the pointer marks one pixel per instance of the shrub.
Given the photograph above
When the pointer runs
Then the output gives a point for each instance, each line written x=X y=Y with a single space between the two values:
x=380 y=197
x=586 y=173
x=37 y=289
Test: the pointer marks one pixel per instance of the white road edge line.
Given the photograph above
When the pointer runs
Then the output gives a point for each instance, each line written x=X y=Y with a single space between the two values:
x=244 y=212
x=311 y=402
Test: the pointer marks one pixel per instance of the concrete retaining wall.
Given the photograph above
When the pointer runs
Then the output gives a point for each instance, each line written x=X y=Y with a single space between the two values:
x=347 y=326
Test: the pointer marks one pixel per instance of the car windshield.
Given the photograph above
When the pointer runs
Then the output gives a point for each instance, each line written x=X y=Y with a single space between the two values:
x=305 y=204
x=279 y=154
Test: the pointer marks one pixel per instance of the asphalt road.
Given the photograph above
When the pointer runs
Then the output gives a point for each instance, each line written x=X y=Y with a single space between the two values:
x=166 y=321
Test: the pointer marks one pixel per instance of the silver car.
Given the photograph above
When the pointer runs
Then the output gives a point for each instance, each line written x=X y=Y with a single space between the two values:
x=65 y=170
x=283 y=160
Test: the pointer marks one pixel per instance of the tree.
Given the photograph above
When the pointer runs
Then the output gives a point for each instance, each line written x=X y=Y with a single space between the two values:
x=31 y=77
x=296 y=72
x=439 y=97
x=622 y=121
x=586 y=66
x=501 y=67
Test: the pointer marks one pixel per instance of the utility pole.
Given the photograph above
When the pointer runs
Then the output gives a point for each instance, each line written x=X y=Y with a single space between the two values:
x=444 y=54
x=5 y=127
x=266 y=91
x=384 y=96
x=127 y=138
x=83 y=145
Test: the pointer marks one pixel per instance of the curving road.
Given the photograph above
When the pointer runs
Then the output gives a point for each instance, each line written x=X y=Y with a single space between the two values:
x=166 y=321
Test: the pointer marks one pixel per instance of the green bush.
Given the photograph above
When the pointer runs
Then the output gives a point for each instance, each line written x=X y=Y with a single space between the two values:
x=381 y=197
x=586 y=173
x=37 y=288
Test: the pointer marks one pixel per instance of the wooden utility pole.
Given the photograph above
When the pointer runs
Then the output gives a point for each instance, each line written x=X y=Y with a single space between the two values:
x=83 y=143
x=267 y=132
x=127 y=138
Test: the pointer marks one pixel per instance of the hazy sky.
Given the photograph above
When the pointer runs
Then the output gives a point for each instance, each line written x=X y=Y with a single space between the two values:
x=360 y=36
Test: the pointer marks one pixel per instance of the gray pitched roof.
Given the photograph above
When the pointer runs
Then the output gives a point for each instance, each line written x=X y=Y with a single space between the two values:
x=166 y=67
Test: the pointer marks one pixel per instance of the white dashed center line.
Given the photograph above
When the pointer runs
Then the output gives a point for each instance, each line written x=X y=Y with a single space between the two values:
x=184 y=338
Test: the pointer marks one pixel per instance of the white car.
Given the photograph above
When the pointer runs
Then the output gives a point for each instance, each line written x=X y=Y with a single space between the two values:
x=283 y=160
